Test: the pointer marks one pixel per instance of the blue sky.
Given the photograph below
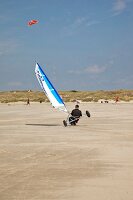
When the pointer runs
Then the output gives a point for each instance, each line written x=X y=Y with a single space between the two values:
x=80 y=44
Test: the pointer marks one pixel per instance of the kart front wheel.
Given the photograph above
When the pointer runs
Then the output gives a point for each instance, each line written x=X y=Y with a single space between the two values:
x=65 y=123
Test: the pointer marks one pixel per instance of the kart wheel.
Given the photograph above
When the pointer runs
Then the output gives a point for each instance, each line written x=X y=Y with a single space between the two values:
x=87 y=113
x=65 y=123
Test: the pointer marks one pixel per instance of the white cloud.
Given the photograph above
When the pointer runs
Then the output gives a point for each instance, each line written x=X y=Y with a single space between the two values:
x=94 y=69
x=7 y=47
x=79 y=21
x=75 y=72
x=78 y=24
x=125 y=81
x=75 y=25
x=16 y=84
x=119 y=6
x=90 y=23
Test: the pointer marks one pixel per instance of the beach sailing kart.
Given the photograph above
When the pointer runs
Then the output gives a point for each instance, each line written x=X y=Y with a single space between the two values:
x=55 y=98
x=73 y=120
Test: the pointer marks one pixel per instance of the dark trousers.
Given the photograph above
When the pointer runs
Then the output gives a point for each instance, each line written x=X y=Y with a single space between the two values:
x=73 y=120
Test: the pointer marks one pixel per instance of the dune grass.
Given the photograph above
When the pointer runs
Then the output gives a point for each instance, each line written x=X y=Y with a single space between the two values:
x=68 y=96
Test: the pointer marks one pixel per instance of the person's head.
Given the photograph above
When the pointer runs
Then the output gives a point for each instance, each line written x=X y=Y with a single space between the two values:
x=77 y=106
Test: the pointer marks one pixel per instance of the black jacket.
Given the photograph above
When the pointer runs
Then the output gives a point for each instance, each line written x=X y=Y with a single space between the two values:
x=76 y=113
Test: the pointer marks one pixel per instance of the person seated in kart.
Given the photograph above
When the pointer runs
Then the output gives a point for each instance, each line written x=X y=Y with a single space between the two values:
x=75 y=115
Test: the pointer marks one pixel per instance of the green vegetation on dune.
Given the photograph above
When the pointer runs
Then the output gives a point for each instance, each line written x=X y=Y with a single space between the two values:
x=68 y=96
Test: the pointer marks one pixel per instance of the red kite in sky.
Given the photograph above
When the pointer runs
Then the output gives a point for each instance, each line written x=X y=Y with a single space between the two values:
x=30 y=23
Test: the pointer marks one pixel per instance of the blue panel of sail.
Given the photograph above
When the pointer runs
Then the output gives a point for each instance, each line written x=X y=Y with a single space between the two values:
x=50 y=86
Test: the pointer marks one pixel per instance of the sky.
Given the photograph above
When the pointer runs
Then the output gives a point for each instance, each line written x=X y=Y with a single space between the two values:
x=80 y=44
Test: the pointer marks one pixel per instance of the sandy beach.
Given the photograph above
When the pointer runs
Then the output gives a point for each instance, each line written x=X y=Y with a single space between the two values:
x=40 y=159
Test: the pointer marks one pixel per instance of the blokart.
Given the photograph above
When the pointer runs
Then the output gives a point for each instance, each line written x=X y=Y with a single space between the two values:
x=54 y=97
x=73 y=120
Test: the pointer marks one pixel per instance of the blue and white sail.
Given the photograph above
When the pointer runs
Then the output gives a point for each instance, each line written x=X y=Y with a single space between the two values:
x=49 y=89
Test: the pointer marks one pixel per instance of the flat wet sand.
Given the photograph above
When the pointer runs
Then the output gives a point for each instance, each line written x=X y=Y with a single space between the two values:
x=40 y=159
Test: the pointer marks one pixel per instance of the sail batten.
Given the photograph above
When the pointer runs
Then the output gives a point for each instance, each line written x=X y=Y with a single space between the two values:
x=49 y=89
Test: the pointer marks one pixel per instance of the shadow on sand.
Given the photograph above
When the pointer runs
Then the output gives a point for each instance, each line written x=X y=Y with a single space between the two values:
x=43 y=124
